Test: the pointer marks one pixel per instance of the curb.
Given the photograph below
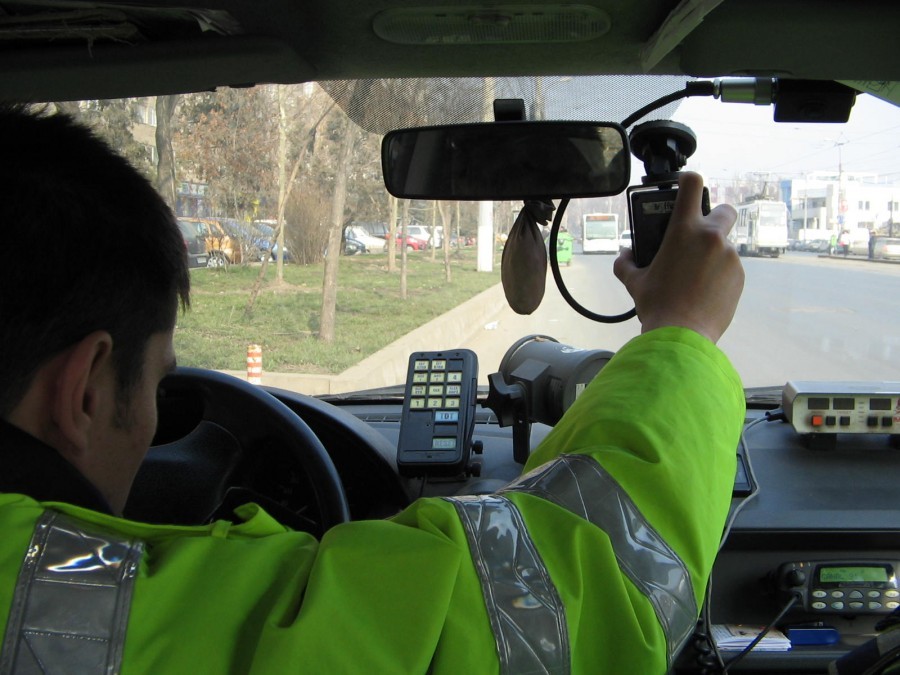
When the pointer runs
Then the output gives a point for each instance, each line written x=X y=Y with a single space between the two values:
x=858 y=258
x=387 y=366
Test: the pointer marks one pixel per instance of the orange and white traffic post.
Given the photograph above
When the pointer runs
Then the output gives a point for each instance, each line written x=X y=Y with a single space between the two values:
x=254 y=364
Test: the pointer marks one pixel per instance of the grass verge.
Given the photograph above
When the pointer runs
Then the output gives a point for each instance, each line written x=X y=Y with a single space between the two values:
x=214 y=333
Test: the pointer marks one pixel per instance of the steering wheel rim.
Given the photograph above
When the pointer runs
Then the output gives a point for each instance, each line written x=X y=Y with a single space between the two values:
x=228 y=408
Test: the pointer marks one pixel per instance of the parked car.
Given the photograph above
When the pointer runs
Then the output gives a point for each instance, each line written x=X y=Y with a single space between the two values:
x=886 y=248
x=352 y=245
x=195 y=245
x=265 y=239
x=376 y=229
x=370 y=242
x=420 y=233
x=221 y=247
x=412 y=243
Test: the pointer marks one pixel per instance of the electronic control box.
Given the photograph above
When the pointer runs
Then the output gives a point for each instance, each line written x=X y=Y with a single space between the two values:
x=842 y=586
x=842 y=407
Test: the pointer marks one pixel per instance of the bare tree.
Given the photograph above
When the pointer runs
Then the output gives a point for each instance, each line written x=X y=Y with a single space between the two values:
x=332 y=260
x=165 y=162
x=284 y=196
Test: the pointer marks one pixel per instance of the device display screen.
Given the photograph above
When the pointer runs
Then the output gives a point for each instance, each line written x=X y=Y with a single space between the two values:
x=818 y=403
x=854 y=575
x=658 y=207
x=844 y=403
x=880 y=404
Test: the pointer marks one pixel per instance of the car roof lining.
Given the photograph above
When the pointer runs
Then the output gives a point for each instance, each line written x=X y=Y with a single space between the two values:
x=296 y=41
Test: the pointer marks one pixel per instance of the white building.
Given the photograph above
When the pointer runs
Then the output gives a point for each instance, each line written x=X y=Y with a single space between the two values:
x=831 y=202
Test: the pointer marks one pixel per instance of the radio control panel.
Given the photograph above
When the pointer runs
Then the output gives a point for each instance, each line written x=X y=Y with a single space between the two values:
x=843 y=407
x=842 y=587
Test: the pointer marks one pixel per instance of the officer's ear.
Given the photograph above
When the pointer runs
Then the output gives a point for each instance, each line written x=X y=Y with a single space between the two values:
x=84 y=374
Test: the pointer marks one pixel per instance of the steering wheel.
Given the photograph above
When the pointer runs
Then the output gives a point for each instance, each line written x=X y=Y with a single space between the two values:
x=222 y=440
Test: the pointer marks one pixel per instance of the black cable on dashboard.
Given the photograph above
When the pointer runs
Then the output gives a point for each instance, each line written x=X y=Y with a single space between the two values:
x=706 y=620
x=784 y=610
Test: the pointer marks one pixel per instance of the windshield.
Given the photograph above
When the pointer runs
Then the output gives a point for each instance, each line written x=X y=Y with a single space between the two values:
x=600 y=229
x=293 y=175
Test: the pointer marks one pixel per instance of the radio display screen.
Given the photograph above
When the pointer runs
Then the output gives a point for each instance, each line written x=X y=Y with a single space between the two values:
x=852 y=574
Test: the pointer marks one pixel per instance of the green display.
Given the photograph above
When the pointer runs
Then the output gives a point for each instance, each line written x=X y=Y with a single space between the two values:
x=852 y=574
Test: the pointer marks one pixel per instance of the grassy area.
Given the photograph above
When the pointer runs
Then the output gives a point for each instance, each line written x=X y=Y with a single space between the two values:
x=370 y=313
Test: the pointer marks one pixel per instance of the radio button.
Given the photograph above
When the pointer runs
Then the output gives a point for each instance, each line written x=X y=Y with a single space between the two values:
x=893 y=604
x=874 y=594
x=854 y=595
x=819 y=594
x=856 y=605
x=837 y=594
x=837 y=605
x=892 y=594
x=819 y=605
x=874 y=605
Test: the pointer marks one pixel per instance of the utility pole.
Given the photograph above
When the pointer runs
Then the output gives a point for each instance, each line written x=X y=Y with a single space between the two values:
x=485 y=241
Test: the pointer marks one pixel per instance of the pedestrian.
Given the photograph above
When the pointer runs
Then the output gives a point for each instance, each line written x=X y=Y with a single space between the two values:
x=844 y=242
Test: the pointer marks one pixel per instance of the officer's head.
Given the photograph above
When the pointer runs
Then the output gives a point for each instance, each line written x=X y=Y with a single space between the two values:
x=90 y=287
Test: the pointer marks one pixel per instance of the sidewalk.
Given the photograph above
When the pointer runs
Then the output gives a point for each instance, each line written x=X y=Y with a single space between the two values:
x=388 y=366
x=859 y=258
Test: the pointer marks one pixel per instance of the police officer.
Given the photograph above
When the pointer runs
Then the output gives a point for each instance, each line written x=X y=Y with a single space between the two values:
x=595 y=560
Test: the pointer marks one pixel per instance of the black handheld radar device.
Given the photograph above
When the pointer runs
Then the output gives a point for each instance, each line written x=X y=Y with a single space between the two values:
x=438 y=413
x=664 y=147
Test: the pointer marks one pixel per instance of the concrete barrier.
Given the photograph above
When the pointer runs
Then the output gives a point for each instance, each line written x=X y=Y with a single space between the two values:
x=388 y=366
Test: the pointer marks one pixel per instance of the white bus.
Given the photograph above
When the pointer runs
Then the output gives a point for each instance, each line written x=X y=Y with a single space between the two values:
x=761 y=228
x=600 y=233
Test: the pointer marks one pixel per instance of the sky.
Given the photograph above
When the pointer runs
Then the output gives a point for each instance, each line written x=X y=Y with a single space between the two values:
x=737 y=138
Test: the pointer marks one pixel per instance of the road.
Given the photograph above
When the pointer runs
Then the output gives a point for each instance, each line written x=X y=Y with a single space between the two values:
x=801 y=317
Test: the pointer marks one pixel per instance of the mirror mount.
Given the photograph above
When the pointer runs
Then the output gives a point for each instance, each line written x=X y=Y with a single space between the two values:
x=509 y=110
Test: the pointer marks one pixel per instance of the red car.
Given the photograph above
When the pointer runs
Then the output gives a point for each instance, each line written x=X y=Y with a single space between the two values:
x=412 y=243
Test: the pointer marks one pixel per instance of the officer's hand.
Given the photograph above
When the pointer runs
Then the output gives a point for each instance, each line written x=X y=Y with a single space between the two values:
x=696 y=278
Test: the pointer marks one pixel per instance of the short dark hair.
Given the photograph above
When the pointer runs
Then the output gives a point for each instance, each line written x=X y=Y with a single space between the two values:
x=88 y=244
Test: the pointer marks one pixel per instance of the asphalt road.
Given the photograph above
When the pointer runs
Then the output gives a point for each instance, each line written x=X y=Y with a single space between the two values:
x=801 y=317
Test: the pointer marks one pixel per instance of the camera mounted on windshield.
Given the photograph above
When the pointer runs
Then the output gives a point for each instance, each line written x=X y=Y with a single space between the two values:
x=664 y=147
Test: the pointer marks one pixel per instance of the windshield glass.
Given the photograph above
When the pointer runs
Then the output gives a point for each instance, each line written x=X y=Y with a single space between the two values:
x=600 y=229
x=291 y=175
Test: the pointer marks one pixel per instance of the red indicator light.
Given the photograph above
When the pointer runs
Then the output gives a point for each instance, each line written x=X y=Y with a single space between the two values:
x=816 y=420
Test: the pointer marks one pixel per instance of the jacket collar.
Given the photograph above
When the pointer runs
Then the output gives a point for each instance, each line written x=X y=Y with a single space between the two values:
x=30 y=467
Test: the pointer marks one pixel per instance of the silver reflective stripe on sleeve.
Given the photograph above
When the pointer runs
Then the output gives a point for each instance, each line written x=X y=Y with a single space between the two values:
x=579 y=484
x=70 y=608
x=525 y=611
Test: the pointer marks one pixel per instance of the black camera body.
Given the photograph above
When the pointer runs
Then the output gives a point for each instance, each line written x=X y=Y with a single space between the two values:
x=664 y=147
x=649 y=210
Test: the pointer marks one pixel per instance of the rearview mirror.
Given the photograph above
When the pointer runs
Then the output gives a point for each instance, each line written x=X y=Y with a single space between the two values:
x=507 y=160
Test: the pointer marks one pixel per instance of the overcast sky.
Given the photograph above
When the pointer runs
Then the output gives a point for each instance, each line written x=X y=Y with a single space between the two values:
x=739 y=138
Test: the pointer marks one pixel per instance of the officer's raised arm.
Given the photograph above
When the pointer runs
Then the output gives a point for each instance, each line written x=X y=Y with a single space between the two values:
x=696 y=278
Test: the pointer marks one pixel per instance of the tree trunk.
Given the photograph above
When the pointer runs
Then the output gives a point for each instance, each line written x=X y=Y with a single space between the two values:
x=282 y=183
x=327 y=318
x=434 y=210
x=165 y=165
x=445 y=239
x=392 y=236
x=404 y=233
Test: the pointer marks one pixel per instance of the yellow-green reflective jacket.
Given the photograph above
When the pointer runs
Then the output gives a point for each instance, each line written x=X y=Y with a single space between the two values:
x=595 y=561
